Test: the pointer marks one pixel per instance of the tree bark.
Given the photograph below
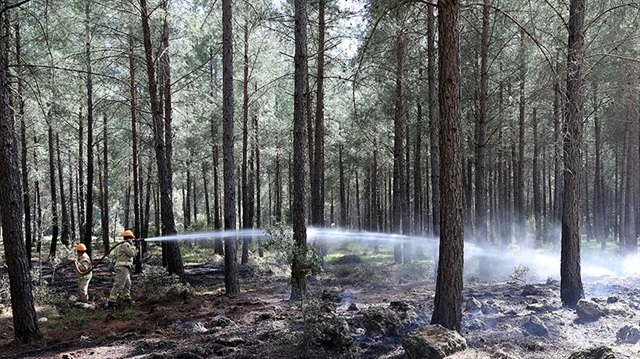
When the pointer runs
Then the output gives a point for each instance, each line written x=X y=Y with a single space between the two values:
x=518 y=197
x=447 y=309
x=318 y=175
x=399 y=128
x=599 y=219
x=25 y=323
x=571 y=289
x=537 y=196
x=231 y=282
x=481 y=230
x=88 y=223
x=434 y=127
x=104 y=202
x=298 y=268
x=64 y=236
x=137 y=187
x=52 y=185
x=23 y=141
x=162 y=135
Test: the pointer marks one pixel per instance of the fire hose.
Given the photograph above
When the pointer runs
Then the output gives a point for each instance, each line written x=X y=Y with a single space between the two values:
x=95 y=264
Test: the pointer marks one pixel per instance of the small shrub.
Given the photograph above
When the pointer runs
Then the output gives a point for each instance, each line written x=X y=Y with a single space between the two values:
x=280 y=239
x=155 y=282
x=520 y=273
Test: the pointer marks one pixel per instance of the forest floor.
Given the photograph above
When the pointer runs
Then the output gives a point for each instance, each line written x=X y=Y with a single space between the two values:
x=359 y=307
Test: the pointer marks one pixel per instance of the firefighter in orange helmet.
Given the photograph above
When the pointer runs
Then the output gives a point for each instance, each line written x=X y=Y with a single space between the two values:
x=83 y=272
x=125 y=253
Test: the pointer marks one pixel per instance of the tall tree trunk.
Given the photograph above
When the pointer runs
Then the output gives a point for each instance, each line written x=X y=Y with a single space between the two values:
x=358 y=212
x=80 y=179
x=137 y=187
x=147 y=205
x=162 y=135
x=317 y=178
x=481 y=230
x=343 y=194
x=231 y=282
x=246 y=201
x=258 y=182
x=104 y=202
x=571 y=289
x=87 y=239
x=599 y=219
x=277 y=210
x=52 y=186
x=64 y=235
x=298 y=269
x=537 y=196
x=518 y=198
x=23 y=147
x=447 y=309
x=207 y=204
x=25 y=323
x=187 y=198
x=558 y=160
x=399 y=129
x=72 y=216
x=627 y=184
x=434 y=126
x=418 y=207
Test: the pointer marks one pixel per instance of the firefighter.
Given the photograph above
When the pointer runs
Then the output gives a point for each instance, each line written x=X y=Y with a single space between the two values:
x=125 y=252
x=83 y=272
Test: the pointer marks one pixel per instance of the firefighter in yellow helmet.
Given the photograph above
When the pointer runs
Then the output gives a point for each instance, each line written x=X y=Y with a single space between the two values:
x=83 y=272
x=125 y=252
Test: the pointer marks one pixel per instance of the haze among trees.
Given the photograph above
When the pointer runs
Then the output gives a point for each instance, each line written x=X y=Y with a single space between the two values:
x=504 y=123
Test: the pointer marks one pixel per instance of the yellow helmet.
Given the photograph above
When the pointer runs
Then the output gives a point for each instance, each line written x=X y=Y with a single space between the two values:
x=81 y=247
x=128 y=233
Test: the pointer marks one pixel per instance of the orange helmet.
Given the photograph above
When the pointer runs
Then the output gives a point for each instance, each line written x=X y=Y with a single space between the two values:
x=81 y=247
x=128 y=233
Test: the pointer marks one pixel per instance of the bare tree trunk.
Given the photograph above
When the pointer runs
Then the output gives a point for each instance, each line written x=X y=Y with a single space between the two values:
x=318 y=175
x=162 y=137
x=137 y=187
x=518 y=198
x=434 y=127
x=52 y=186
x=258 y=182
x=104 y=213
x=64 y=237
x=147 y=205
x=231 y=282
x=187 y=198
x=206 y=195
x=246 y=201
x=298 y=270
x=571 y=289
x=537 y=199
x=398 y=149
x=277 y=210
x=25 y=324
x=88 y=235
x=215 y=154
x=342 y=190
x=447 y=309
x=598 y=184
x=23 y=147
x=72 y=216
x=481 y=230
x=418 y=207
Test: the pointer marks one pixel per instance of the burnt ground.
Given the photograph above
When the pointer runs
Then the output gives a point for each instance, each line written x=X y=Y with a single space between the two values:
x=358 y=308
